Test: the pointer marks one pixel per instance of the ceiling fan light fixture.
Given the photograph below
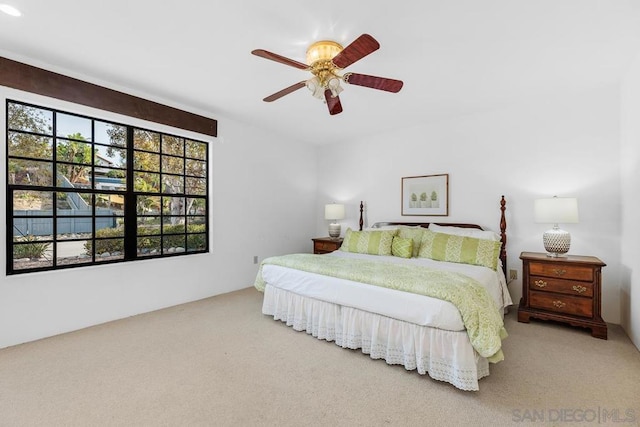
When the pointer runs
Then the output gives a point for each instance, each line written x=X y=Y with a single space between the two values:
x=334 y=86
x=314 y=85
x=323 y=50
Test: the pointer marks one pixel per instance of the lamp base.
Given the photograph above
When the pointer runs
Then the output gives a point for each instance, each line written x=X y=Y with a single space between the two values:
x=556 y=242
x=334 y=230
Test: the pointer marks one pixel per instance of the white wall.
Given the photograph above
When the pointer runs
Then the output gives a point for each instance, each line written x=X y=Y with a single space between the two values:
x=630 y=165
x=266 y=192
x=256 y=208
x=566 y=145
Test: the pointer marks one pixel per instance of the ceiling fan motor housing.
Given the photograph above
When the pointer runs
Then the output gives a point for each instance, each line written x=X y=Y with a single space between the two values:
x=323 y=50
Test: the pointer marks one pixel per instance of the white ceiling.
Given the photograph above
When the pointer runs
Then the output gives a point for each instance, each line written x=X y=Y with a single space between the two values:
x=455 y=57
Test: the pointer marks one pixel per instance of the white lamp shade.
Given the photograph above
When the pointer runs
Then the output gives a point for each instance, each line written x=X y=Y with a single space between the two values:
x=334 y=211
x=556 y=210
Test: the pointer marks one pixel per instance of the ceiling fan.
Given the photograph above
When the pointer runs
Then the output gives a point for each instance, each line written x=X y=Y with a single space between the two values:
x=326 y=60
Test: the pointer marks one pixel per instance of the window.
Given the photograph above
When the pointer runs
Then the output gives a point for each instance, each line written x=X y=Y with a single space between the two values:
x=84 y=191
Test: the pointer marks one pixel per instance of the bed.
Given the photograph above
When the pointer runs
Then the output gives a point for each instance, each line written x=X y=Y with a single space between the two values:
x=419 y=309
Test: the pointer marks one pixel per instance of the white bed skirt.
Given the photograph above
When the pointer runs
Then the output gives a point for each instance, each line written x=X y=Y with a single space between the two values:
x=444 y=355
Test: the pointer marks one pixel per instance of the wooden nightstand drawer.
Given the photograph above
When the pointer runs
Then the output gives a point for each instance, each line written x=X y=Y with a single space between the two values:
x=547 y=284
x=324 y=245
x=562 y=304
x=561 y=271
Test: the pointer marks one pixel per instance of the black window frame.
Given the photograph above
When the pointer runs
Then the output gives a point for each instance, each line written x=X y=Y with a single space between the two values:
x=190 y=226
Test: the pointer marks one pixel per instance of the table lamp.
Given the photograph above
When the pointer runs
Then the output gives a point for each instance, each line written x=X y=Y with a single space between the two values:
x=556 y=210
x=334 y=212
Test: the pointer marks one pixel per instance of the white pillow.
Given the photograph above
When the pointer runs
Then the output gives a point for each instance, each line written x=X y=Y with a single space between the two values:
x=465 y=232
x=381 y=227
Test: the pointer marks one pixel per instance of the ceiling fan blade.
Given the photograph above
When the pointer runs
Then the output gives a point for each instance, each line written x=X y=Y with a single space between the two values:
x=285 y=91
x=333 y=102
x=279 y=58
x=380 y=83
x=358 y=49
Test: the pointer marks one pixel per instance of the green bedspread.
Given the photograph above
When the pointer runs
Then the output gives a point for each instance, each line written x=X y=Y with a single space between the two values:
x=479 y=313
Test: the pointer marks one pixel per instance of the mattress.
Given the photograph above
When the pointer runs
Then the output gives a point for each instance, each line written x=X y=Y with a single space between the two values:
x=408 y=307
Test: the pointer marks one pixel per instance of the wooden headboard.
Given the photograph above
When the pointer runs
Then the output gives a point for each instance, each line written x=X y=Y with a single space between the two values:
x=503 y=228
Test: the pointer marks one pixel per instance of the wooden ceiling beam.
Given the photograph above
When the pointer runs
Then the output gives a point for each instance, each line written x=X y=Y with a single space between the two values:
x=36 y=80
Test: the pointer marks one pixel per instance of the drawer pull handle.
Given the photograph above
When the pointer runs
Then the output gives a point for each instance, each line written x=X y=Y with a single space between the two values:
x=579 y=289
x=559 y=304
x=540 y=283
x=559 y=272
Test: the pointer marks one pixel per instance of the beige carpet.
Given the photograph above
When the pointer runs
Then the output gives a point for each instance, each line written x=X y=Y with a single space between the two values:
x=220 y=362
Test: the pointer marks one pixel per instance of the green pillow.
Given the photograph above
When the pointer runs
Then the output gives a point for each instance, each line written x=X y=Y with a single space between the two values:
x=465 y=250
x=413 y=233
x=368 y=242
x=402 y=247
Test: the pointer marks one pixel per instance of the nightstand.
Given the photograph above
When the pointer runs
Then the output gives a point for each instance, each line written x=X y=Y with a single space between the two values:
x=566 y=289
x=324 y=245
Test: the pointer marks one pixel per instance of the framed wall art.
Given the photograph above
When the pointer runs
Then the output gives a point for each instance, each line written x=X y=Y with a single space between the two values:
x=425 y=195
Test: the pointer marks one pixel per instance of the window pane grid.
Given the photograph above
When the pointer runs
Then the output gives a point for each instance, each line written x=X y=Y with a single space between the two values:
x=75 y=168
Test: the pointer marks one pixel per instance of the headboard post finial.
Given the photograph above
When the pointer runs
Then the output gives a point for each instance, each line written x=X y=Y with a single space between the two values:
x=361 y=215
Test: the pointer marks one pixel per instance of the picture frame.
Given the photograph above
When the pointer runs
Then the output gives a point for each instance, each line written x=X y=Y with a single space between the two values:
x=426 y=195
